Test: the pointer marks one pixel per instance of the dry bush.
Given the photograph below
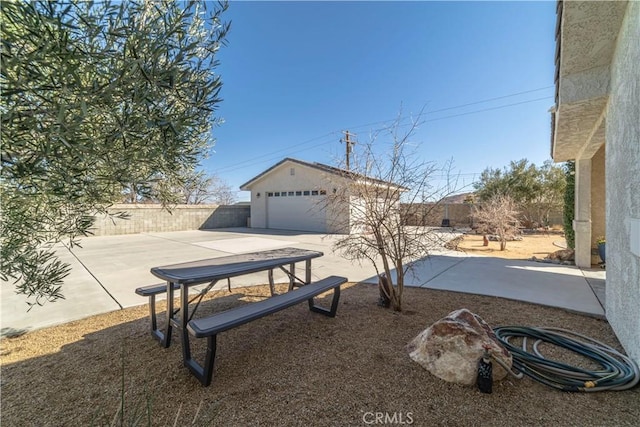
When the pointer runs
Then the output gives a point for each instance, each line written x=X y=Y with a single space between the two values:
x=498 y=216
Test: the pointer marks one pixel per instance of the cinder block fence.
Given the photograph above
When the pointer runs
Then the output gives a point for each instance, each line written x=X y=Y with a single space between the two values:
x=154 y=218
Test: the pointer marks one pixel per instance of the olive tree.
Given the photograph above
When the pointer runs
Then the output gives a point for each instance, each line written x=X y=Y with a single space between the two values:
x=537 y=191
x=95 y=96
x=386 y=179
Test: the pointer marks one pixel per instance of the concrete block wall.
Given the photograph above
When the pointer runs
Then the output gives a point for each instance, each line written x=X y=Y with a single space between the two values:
x=459 y=214
x=430 y=214
x=228 y=216
x=155 y=218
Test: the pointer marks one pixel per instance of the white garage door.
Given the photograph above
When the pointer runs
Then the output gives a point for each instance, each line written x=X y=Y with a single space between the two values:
x=295 y=210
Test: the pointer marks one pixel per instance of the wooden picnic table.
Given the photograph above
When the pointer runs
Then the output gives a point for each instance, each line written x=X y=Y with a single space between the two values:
x=185 y=275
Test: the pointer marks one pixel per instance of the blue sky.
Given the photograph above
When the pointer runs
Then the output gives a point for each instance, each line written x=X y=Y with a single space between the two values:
x=296 y=74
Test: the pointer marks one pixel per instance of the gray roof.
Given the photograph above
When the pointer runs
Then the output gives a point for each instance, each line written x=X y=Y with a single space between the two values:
x=322 y=167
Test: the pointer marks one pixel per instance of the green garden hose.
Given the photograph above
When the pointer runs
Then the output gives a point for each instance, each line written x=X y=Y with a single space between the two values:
x=618 y=372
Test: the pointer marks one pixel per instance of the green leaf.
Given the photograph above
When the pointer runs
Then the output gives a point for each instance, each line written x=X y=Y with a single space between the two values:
x=90 y=116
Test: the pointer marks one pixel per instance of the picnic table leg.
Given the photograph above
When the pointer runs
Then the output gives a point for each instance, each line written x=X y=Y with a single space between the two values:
x=292 y=276
x=331 y=312
x=166 y=339
x=184 y=319
x=307 y=277
x=271 y=284
x=155 y=332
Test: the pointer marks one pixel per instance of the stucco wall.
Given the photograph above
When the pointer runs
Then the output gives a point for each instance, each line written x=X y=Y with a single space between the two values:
x=623 y=185
x=153 y=218
x=303 y=178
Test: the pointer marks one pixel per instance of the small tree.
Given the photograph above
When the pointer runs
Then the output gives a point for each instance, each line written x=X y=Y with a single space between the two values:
x=498 y=216
x=550 y=198
x=222 y=193
x=96 y=96
x=376 y=184
x=537 y=191
x=202 y=188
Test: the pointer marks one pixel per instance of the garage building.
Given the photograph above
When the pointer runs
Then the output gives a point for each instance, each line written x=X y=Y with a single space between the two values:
x=293 y=195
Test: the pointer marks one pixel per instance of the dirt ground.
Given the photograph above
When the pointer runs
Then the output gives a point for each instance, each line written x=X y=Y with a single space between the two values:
x=293 y=368
x=538 y=245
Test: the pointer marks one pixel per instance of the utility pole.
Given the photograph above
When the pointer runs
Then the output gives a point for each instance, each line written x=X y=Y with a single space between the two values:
x=348 y=145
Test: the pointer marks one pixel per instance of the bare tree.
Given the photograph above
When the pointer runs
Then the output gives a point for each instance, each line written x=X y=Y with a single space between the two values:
x=196 y=189
x=193 y=188
x=499 y=216
x=378 y=181
x=201 y=188
x=221 y=192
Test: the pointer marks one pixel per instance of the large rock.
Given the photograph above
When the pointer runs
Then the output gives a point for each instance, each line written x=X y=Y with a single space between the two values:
x=451 y=347
x=564 y=257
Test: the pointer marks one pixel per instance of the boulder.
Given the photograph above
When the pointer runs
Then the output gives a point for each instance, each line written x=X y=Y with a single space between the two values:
x=563 y=257
x=451 y=347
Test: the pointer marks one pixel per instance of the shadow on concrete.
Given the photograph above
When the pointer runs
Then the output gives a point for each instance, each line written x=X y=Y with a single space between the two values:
x=262 y=231
x=552 y=285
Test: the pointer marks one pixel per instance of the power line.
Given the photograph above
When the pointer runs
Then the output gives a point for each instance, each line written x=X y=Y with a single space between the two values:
x=253 y=161
x=476 y=111
x=490 y=108
x=489 y=100
x=460 y=106
x=280 y=150
x=270 y=156
x=245 y=164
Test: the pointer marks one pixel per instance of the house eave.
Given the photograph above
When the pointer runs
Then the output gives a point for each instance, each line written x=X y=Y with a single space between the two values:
x=586 y=34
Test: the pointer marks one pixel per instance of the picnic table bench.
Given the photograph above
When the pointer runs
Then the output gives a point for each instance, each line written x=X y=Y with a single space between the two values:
x=209 y=327
x=180 y=277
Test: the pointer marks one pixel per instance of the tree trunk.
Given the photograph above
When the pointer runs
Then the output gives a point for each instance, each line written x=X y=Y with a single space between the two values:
x=385 y=291
x=397 y=306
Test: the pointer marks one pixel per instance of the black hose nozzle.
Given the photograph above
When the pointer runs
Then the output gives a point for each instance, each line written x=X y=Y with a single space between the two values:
x=485 y=372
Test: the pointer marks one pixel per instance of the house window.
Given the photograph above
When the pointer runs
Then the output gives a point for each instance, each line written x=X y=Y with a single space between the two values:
x=292 y=171
x=269 y=194
x=314 y=193
x=276 y=194
x=283 y=194
x=298 y=193
x=307 y=192
x=291 y=193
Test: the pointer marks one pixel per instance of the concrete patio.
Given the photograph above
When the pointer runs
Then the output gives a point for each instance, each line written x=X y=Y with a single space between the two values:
x=107 y=270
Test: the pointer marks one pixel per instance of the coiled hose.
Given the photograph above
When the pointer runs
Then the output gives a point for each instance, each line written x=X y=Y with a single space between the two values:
x=618 y=371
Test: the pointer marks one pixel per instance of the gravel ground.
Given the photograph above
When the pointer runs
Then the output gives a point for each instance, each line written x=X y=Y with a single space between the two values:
x=292 y=368
x=538 y=245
